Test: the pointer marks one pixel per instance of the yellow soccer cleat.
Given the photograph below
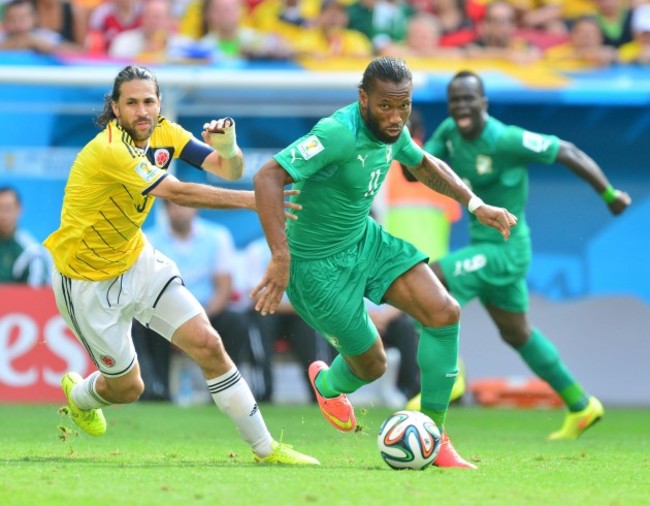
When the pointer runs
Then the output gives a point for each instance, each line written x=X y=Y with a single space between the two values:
x=91 y=421
x=578 y=422
x=284 y=454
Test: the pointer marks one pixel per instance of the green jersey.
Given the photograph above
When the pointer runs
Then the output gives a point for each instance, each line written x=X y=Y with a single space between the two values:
x=494 y=166
x=338 y=167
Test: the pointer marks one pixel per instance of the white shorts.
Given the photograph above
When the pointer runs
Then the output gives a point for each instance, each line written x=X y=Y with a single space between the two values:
x=100 y=313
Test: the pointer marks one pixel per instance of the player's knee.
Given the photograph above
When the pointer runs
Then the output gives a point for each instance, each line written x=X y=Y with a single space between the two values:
x=207 y=348
x=448 y=313
x=514 y=338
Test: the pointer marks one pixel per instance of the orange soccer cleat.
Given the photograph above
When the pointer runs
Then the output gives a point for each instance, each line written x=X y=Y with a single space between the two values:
x=337 y=410
x=448 y=456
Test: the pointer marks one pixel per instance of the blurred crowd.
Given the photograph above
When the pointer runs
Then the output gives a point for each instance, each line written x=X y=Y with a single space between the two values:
x=565 y=34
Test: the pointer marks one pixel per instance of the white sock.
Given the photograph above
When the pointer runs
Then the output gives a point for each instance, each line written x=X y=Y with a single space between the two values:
x=85 y=395
x=233 y=396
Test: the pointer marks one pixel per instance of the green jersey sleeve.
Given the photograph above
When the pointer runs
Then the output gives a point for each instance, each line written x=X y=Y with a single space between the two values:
x=408 y=152
x=527 y=147
x=328 y=143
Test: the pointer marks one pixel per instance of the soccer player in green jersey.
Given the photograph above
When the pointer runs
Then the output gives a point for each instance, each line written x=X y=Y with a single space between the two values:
x=106 y=272
x=492 y=158
x=334 y=255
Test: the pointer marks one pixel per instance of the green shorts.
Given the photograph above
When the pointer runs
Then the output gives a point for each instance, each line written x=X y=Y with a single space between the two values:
x=328 y=293
x=493 y=272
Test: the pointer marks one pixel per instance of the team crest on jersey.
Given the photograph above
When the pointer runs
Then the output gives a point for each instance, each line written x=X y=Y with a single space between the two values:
x=535 y=142
x=161 y=157
x=310 y=147
x=107 y=361
x=483 y=164
x=145 y=171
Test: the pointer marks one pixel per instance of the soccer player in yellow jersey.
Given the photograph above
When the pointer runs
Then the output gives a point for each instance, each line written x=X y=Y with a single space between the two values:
x=107 y=273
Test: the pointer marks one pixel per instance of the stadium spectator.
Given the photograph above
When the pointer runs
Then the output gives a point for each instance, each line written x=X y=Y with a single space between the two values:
x=382 y=21
x=284 y=326
x=21 y=33
x=584 y=49
x=330 y=37
x=22 y=258
x=64 y=17
x=638 y=51
x=225 y=37
x=154 y=41
x=614 y=18
x=204 y=253
x=456 y=26
x=493 y=158
x=498 y=38
x=423 y=40
x=573 y=9
x=109 y=19
x=541 y=15
x=335 y=254
x=107 y=273
x=287 y=18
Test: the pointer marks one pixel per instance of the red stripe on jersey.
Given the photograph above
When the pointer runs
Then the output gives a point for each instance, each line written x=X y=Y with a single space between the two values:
x=110 y=134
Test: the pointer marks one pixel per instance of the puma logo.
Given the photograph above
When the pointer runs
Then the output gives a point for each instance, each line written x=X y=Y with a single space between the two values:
x=362 y=159
x=293 y=155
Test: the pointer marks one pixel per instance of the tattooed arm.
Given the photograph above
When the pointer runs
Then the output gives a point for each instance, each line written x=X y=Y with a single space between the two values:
x=438 y=176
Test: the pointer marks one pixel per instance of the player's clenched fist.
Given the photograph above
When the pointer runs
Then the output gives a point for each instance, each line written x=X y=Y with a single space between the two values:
x=220 y=134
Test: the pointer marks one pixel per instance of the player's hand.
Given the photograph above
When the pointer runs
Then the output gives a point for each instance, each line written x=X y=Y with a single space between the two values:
x=291 y=205
x=496 y=217
x=288 y=206
x=620 y=203
x=270 y=290
x=220 y=134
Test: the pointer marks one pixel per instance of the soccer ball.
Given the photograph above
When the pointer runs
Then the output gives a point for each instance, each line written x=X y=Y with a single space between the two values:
x=408 y=440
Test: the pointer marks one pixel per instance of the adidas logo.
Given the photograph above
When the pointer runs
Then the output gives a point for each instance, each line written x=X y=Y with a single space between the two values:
x=254 y=410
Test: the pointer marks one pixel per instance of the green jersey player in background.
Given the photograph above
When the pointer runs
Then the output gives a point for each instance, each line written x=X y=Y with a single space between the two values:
x=492 y=158
x=335 y=254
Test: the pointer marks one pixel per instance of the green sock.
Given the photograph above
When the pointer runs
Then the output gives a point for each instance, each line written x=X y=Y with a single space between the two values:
x=544 y=360
x=438 y=361
x=338 y=379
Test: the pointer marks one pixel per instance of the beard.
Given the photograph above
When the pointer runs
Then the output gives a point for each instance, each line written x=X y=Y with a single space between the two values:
x=373 y=125
x=133 y=132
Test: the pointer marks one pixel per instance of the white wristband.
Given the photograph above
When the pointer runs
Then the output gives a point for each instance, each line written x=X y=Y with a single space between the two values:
x=474 y=203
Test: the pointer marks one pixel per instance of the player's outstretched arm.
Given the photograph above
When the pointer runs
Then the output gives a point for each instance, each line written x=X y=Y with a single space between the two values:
x=227 y=161
x=438 y=176
x=586 y=168
x=204 y=196
x=269 y=184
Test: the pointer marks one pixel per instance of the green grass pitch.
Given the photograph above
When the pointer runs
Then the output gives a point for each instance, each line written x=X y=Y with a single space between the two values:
x=164 y=455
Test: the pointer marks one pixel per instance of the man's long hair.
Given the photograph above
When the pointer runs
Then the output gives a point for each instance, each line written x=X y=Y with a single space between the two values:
x=127 y=74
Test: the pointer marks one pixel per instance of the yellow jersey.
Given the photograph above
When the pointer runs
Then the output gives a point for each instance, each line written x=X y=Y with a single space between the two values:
x=106 y=198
